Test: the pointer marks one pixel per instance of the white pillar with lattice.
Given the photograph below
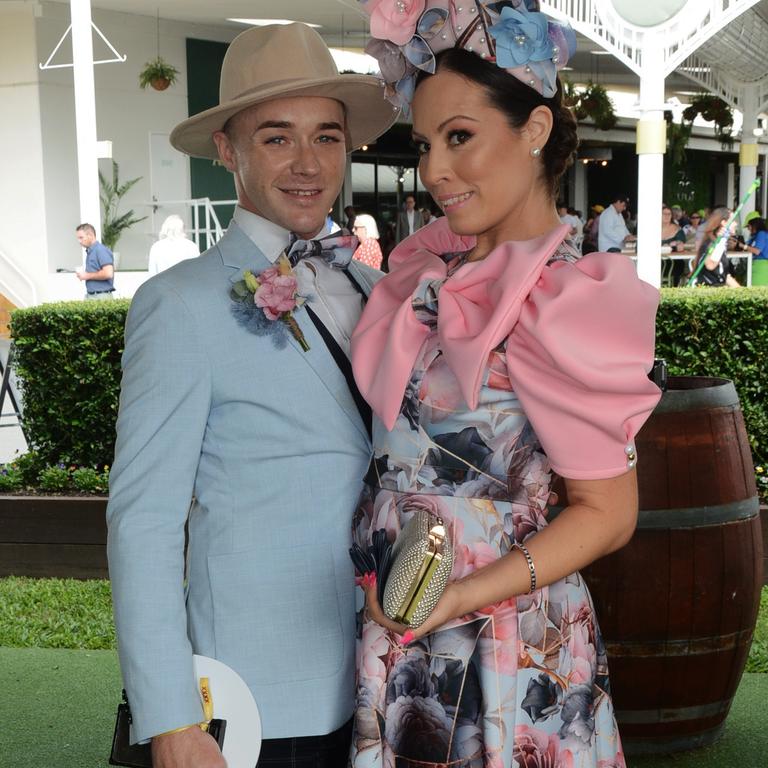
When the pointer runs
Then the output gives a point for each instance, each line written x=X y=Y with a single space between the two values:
x=652 y=52
x=748 y=150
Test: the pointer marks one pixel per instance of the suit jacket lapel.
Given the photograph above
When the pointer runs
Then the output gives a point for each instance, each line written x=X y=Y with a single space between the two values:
x=239 y=252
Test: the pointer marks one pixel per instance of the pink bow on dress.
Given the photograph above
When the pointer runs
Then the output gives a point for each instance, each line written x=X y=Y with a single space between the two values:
x=479 y=305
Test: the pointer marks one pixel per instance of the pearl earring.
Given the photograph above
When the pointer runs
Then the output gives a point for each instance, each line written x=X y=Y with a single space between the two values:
x=536 y=151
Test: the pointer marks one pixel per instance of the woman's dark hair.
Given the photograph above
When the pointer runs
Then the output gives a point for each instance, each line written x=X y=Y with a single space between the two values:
x=517 y=100
x=758 y=224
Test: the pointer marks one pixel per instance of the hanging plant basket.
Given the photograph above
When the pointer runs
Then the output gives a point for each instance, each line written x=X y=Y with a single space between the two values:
x=158 y=73
x=160 y=83
x=715 y=110
x=593 y=103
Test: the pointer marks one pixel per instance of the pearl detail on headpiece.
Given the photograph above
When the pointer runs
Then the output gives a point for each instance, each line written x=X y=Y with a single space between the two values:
x=520 y=39
x=400 y=5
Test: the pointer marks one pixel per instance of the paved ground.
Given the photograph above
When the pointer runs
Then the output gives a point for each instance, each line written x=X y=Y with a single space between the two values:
x=12 y=440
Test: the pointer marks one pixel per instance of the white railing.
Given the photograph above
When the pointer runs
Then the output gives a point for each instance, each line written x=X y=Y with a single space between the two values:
x=675 y=39
x=15 y=297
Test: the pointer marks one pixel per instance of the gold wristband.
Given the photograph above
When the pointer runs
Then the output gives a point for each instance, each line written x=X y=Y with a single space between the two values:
x=529 y=562
x=201 y=726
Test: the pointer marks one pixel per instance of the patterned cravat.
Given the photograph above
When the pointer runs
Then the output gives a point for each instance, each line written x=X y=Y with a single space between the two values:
x=336 y=249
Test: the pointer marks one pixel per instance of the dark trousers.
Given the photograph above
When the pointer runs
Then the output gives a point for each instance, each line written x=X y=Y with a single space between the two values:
x=331 y=751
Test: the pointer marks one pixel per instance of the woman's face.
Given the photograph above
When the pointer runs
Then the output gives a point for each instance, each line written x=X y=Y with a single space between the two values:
x=360 y=231
x=666 y=216
x=478 y=168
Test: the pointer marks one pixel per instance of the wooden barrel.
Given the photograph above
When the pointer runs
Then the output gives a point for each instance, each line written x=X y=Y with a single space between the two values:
x=678 y=604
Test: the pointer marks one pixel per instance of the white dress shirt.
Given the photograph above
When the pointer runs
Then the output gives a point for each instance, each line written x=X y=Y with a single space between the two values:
x=612 y=231
x=330 y=293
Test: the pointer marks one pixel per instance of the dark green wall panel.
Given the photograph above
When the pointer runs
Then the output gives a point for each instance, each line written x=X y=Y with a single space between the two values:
x=204 y=58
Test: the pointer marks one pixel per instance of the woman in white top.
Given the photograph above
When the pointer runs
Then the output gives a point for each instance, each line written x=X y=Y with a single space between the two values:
x=172 y=247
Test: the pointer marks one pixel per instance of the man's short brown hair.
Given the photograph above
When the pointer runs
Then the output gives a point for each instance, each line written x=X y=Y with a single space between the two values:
x=86 y=228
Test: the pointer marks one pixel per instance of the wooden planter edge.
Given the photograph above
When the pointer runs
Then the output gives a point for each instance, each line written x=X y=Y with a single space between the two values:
x=53 y=536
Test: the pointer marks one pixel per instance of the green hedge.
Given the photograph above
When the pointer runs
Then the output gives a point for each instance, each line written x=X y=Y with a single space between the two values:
x=67 y=358
x=721 y=332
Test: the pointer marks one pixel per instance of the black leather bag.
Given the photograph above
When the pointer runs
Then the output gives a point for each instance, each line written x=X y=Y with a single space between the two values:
x=140 y=755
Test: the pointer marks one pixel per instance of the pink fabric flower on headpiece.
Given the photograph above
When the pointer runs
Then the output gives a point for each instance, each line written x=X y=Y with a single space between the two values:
x=394 y=20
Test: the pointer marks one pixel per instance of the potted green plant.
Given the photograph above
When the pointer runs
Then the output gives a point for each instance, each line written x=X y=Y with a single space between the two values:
x=158 y=73
x=598 y=105
x=678 y=136
x=112 y=192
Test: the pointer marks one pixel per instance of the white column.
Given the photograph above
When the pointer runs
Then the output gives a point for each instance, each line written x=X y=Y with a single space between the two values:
x=85 y=113
x=748 y=152
x=651 y=145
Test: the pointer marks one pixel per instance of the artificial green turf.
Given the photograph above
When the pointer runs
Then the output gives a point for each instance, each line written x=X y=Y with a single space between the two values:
x=58 y=707
x=744 y=743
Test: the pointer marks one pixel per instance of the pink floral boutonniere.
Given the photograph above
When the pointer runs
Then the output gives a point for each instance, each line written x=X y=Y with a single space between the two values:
x=264 y=303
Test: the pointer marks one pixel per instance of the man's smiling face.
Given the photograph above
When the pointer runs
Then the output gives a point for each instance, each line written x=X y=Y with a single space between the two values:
x=288 y=156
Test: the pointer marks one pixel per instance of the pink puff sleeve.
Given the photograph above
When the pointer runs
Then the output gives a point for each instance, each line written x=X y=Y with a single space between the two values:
x=578 y=360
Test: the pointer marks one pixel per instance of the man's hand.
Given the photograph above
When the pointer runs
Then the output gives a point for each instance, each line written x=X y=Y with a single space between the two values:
x=81 y=273
x=190 y=748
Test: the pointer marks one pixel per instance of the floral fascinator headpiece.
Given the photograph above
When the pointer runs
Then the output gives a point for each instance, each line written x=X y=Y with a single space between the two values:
x=514 y=34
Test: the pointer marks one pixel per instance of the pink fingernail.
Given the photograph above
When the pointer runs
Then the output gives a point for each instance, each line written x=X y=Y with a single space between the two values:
x=407 y=637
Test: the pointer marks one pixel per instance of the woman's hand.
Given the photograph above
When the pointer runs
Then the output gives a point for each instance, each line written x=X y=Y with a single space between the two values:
x=448 y=607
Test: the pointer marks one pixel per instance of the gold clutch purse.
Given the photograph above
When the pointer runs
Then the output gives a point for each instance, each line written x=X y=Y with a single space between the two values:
x=422 y=558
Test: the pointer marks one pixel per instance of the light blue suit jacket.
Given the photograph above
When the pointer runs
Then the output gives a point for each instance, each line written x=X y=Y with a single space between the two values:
x=272 y=448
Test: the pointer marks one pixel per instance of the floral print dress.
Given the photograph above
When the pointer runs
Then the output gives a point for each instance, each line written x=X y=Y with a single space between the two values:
x=521 y=683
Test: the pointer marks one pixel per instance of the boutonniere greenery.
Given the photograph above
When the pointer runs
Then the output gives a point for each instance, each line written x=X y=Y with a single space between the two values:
x=265 y=302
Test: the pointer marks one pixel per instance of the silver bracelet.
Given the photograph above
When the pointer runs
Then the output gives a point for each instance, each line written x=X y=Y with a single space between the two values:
x=529 y=561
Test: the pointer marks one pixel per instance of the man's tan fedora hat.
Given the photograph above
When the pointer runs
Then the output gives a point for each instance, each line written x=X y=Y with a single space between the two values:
x=270 y=62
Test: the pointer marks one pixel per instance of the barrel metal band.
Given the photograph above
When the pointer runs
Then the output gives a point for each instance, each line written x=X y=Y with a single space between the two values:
x=689 y=517
x=666 y=648
x=672 y=714
x=696 y=517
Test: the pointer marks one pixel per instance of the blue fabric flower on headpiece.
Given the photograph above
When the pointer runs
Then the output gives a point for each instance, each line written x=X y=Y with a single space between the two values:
x=522 y=37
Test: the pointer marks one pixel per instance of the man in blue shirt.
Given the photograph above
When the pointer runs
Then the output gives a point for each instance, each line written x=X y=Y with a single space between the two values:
x=99 y=271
